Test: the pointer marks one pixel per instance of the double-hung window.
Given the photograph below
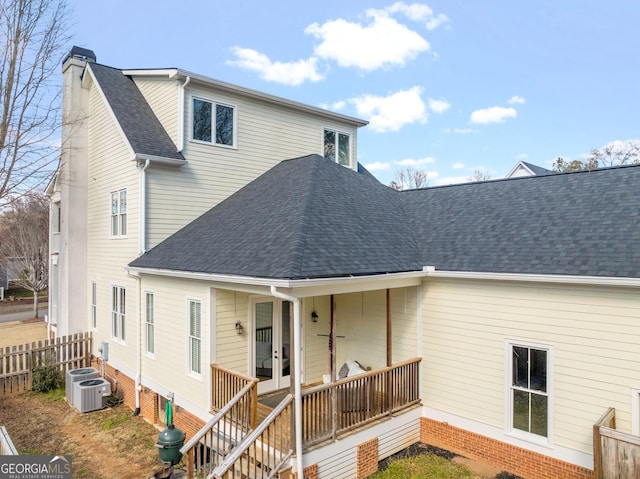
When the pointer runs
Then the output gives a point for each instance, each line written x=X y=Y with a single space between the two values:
x=337 y=147
x=213 y=122
x=119 y=213
x=529 y=392
x=149 y=321
x=195 y=337
x=94 y=305
x=118 y=301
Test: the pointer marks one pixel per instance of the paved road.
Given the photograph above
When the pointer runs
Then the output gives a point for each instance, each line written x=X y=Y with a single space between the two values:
x=8 y=317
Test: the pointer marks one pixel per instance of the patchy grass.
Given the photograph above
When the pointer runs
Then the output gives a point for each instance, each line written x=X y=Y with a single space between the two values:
x=424 y=466
x=103 y=444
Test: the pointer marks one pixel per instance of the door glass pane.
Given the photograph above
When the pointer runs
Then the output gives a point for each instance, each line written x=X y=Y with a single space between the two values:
x=264 y=341
x=286 y=338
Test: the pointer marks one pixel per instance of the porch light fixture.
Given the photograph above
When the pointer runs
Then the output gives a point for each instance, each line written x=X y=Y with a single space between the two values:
x=314 y=316
x=239 y=327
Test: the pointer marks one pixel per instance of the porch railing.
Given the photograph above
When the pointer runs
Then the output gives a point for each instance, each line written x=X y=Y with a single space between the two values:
x=226 y=430
x=225 y=384
x=265 y=450
x=329 y=410
x=613 y=451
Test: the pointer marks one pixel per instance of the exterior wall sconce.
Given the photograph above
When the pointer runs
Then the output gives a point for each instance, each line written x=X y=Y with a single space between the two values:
x=314 y=316
x=239 y=328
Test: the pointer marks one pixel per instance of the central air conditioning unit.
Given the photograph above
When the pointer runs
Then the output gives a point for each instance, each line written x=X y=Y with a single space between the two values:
x=75 y=375
x=91 y=394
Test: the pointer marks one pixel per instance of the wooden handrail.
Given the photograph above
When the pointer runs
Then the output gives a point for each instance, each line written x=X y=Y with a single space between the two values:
x=258 y=441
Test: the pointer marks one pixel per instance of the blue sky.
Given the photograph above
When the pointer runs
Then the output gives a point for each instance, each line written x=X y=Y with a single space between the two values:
x=447 y=86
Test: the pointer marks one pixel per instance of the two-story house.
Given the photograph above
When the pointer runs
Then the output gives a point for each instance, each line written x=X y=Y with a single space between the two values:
x=303 y=317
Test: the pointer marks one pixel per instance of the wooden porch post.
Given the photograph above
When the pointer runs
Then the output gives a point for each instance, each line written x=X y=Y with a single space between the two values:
x=389 y=336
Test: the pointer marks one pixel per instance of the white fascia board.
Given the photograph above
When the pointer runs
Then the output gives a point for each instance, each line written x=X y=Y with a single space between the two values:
x=182 y=74
x=152 y=72
x=111 y=113
x=298 y=287
x=431 y=272
x=160 y=159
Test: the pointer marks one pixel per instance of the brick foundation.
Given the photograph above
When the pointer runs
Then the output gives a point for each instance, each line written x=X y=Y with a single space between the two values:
x=310 y=472
x=367 y=458
x=513 y=459
x=124 y=387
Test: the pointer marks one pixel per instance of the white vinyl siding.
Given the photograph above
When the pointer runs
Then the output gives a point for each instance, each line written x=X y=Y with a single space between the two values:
x=110 y=169
x=195 y=337
x=149 y=321
x=212 y=174
x=162 y=97
x=593 y=331
x=232 y=350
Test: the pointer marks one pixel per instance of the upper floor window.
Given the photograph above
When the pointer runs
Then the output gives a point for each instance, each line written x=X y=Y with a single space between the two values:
x=529 y=389
x=213 y=122
x=118 y=302
x=337 y=147
x=118 y=213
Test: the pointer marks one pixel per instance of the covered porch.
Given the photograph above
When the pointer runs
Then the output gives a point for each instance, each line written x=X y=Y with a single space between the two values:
x=321 y=401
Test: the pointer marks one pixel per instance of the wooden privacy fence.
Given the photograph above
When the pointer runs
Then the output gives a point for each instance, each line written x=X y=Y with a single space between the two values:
x=17 y=362
x=616 y=455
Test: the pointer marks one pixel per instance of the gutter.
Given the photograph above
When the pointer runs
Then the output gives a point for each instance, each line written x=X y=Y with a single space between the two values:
x=138 y=380
x=142 y=208
x=297 y=387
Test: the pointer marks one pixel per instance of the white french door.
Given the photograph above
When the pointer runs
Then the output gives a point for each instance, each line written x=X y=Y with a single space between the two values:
x=271 y=338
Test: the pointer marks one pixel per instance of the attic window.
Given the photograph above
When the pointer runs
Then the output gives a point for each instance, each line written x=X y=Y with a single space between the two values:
x=213 y=122
x=337 y=147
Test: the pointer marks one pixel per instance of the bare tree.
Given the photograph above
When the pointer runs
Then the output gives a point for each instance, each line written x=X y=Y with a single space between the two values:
x=24 y=237
x=617 y=153
x=612 y=154
x=32 y=38
x=408 y=178
x=479 y=175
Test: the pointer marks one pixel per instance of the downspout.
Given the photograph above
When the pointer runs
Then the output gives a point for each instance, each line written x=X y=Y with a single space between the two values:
x=142 y=213
x=297 y=361
x=181 y=114
x=138 y=382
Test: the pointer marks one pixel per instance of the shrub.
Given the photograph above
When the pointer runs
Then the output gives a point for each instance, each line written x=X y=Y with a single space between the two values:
x=45 y=377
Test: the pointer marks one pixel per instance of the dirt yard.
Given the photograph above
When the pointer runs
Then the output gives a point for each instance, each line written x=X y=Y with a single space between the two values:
x=22 y=332
x=103 y=444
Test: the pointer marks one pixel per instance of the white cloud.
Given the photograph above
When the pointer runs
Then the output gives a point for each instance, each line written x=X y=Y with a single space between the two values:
x=438 y=106
x=419 y=162
x=516 y=100
x=451 y=180
x=460 y=131
x=291 y=73
x=522 y=156
x=392 y=112
x=377 y=166
x=493 y=114
x=419 y=12
x=457 y=166
x=381 y=43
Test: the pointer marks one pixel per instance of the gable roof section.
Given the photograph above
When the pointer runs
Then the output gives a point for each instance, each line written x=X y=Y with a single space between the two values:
x=583 y=223
x=141 y=127
x=305 y=218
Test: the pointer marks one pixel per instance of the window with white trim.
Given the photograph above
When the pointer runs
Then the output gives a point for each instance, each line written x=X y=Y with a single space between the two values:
x=119 y=213
x=529 y=389
x=213 y=122
x=195 y=337
x=94 y=304
x=118 y=301
x=337 y=147
x=149 y=322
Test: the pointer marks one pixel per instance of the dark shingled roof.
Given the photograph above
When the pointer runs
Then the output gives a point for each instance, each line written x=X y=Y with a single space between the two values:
x=307 y=217
x=140 y=125
x=585 y=223
x=310 y=217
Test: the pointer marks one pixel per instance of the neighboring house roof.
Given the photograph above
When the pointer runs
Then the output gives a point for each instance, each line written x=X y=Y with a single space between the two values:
x=523 y=168
x=307 y=217
x=143 y=130
x=310 y=217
